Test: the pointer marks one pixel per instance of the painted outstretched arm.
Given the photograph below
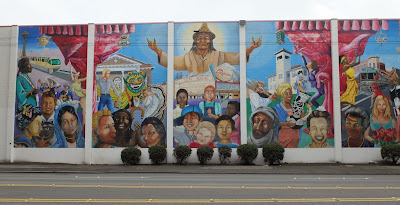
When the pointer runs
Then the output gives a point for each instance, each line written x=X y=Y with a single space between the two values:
x=254 y=45
x=70 y=72
x=153 y=46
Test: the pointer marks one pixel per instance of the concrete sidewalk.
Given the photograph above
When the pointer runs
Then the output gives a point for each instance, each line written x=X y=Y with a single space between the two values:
x=320 y=169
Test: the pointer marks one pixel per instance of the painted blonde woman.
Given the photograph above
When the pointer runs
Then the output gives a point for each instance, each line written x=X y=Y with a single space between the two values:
x=349 y=96
x=382 y=124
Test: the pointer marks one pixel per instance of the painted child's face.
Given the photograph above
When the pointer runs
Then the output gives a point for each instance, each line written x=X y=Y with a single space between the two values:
x=231 y=110
x=35 y=127
x=191 y=121
x=209 y=94
x=204 y=136
x=224 y=129
x=182 y=99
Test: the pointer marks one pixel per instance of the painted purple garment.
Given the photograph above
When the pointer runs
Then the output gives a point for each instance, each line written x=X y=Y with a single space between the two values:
x=313 y=81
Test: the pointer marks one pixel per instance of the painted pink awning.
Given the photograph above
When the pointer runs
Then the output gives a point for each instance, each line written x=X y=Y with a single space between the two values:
x=363 y=25
x=302 y=25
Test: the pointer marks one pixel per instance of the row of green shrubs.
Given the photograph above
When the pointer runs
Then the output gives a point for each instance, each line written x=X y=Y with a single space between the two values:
x=272 y=153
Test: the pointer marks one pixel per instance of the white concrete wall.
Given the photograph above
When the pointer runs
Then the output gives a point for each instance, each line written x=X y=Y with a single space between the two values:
x=5 y=48
x=88 y=155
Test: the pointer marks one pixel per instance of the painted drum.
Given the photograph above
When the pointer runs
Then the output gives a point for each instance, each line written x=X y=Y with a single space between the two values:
x=223 y=73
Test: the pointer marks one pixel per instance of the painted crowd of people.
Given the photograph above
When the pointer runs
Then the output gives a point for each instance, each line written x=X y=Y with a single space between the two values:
x=46 y=116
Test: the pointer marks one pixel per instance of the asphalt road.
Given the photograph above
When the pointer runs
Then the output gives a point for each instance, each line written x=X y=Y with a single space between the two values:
x=131 y=188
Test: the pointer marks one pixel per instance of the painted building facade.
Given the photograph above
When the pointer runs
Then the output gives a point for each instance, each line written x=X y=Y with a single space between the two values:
x=223 y=80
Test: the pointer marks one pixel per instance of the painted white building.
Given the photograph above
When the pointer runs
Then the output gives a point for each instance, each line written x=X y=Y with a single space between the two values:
x=285 y=72
x=120 y=65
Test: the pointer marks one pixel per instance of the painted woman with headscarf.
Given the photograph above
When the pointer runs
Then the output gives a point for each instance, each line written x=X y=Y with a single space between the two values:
x=68 y=128
x=288 y=135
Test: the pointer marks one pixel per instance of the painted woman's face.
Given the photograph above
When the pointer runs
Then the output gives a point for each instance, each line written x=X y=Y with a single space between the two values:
x=150 y=135
x=381 y=106
x=288 y=96
x=122 y=121
x=35 y=127
x=353 y=126
x=107 y=130
x=69 y=123
x=224 y=129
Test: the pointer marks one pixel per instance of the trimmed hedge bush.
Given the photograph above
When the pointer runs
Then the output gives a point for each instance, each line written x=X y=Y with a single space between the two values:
x=130 y=155
x=181 y=153
x=157 y=154
x=273 y=153
x=247 y=153
x=224 y=153
x=391 y=152
x=204 y=153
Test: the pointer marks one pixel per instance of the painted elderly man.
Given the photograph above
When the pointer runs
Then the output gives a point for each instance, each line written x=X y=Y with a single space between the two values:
x=259 y=97
x=318 y=126
x=202 y=53
x=264 y=122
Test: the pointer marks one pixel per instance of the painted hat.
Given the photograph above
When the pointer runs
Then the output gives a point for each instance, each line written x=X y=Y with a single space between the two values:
x=204 y=29
x=189 y=109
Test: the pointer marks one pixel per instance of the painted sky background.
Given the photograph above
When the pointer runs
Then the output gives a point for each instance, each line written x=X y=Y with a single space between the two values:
x=226 y=38
x=263 y=59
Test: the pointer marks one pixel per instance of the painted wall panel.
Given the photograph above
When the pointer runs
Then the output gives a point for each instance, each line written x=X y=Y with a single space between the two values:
x=129 y=103
x=207 y=89
x=369 y=62
x=50 y=87
x=289 y=84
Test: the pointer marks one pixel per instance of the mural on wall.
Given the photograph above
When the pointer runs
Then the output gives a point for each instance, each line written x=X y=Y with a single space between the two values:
x=206 y=63
x=289 y=85
x=129 y=103
x=369 y=82
x=51 y=86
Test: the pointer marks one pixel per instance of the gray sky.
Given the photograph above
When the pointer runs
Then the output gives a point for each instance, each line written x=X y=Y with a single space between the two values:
x=50 y=12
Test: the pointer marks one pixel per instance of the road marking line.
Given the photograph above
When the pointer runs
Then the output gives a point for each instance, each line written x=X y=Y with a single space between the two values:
x=188 y=187
x=208 y=201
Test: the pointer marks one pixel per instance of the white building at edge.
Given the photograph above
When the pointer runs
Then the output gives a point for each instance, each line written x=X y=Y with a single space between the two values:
x=286 y=73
